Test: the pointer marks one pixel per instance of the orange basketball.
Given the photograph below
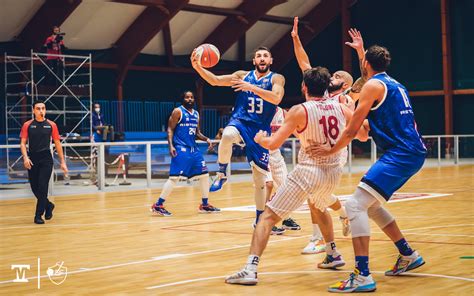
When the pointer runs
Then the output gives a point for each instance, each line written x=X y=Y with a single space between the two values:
x=209 y=54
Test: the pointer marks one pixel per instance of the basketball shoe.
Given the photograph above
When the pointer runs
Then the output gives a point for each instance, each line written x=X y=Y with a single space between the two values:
x=219 y=182
x=332 y=262
x=208 y=209
x=160 y=210
x=405 y=263
x=243 y=277
x=315 y=246
x=290 y=224
x=355 y=283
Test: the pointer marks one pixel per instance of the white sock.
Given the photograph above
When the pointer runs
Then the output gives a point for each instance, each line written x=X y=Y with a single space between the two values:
x=331 y=248
x=316 y=233
x=252 y=262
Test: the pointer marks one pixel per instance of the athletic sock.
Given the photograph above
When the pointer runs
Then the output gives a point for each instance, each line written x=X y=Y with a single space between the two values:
x=331 y=249
x=204 y=201
x=362 y=264
x=223 y=168
x=252 y=262
x=316 y=233
x=160 y=202
x=403 y=247
x=258 y=213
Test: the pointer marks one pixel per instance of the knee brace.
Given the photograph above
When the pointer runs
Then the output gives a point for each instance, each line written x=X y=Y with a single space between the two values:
x=380 y=215
x=356 y=208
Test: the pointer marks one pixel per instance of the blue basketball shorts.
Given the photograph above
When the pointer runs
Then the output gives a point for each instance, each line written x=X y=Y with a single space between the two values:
x=256 y=154
x=391 y=172
x=188 y=163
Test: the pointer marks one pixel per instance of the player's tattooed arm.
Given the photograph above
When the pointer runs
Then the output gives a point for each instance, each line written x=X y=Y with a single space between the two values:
x=294 y=120
x=211 y=78
x=273 y=96
x=172 y=123
x=300 y=53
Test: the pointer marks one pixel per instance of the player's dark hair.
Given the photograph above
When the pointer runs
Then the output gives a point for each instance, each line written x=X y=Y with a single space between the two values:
x=262 y=48
x=316 y=81
x=37 y=102
x=378 y=57
x=183 y=94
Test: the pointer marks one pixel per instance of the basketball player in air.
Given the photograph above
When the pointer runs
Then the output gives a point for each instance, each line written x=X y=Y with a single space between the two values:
x=186 y=159
x=320 y=120
x=278 y=173
x=386 y=105
x=258 y=94
x=342 y=90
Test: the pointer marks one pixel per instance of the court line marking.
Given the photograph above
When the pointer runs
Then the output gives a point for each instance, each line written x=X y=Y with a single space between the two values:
x=163 y=257
x=309 y=272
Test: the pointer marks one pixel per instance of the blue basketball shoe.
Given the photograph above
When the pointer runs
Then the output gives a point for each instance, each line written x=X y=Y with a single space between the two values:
x=219 y=182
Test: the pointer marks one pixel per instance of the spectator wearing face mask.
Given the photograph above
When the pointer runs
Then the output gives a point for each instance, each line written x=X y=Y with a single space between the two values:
x=99 y=126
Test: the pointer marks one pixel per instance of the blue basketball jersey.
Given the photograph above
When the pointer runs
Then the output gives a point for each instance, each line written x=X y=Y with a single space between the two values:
x=392 y=122
x=249 y=107
x=185 y=131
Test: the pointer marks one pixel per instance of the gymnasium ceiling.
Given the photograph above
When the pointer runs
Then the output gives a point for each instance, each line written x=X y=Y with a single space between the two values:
x=167 y=27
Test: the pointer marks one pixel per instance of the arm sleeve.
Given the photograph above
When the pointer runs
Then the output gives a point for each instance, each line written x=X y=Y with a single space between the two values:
x=55 y=131
x=24 y=130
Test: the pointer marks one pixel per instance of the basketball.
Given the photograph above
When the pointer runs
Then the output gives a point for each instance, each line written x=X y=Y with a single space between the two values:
x=209 y=54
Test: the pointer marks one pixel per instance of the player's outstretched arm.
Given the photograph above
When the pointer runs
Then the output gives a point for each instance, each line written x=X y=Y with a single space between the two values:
x=363 y=132
x=294 y=120
x=273 y=96
x=211 y=78
x=358 y=45
x=300 y=53
x=172 y=123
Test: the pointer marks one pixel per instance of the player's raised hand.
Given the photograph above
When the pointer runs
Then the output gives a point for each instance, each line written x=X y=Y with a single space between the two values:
x=318 y=150
x=357 y=41
x=259 y=136
x=240 y=85
x=195 y=59
x=294 y=32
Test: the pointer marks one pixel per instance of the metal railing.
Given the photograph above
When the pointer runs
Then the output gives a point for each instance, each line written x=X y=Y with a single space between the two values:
x=358 y=156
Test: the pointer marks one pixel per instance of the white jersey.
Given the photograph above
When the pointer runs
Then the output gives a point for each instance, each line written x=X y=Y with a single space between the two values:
x=325 y=123
x=277 y=122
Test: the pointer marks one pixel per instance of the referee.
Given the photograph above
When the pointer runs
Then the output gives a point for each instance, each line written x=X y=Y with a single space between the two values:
x=38 y=158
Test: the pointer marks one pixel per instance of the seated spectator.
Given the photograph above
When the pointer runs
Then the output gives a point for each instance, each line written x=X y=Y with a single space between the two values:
x=99 y=126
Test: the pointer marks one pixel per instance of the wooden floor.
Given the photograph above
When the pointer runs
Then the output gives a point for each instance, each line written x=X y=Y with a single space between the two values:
x=111 y=243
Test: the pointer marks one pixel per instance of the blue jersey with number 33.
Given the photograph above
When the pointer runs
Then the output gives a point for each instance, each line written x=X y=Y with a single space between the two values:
x=185 y=131
x=392 y=122
x=249 y=107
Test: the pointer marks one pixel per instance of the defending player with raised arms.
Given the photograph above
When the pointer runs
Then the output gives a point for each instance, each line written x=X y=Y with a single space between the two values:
x=320 y=120
x=386 y=105
x=258 y=94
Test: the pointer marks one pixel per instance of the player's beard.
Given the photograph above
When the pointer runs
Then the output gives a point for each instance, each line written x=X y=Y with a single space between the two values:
x=264 y=70
x=188 y=105
x=335 y=87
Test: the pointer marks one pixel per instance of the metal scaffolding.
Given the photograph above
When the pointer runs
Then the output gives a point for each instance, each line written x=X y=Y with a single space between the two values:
x=64 y=83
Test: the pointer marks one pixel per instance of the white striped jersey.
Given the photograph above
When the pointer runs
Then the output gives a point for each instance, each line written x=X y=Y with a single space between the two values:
x=325 y=123
x=277 y=122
